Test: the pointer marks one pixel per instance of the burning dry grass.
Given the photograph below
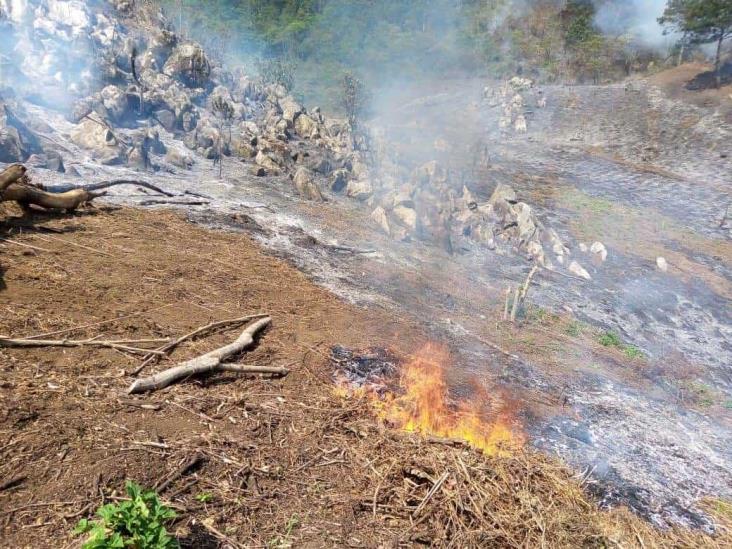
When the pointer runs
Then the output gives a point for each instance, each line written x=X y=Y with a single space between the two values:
x=470 y=482
x=280 y=462
x=421 y=405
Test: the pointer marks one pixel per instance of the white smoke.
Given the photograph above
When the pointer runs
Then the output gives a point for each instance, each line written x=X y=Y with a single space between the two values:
x=637 y=19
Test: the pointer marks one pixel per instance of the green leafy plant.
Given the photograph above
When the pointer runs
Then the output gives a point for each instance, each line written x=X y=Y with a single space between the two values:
x=632 y=352
x=204 y=497
x=137 y=523
x=609 y=339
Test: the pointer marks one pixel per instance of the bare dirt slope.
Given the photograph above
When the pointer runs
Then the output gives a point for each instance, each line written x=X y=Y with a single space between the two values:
x=284 y=462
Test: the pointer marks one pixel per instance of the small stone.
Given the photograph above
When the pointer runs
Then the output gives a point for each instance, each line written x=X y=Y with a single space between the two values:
x=583 y=247
x=598 y=248
x=661 y=264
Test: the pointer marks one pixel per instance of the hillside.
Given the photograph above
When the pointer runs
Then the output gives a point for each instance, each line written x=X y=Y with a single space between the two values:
x=483 y=297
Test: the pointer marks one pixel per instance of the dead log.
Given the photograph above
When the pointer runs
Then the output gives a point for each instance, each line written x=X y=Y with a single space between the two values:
x=209 y=362
x=10 y=175
x=57 y=197
x=26 y=196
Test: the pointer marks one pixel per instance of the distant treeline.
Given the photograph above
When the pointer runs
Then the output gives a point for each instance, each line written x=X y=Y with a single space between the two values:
x=553 y=40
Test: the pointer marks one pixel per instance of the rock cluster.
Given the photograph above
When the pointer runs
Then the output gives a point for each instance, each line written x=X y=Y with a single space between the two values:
x=132 y=78
x=150 y=82
x=516 y=98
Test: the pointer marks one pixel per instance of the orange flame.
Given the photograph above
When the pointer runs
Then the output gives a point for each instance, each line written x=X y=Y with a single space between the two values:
x=424 y=407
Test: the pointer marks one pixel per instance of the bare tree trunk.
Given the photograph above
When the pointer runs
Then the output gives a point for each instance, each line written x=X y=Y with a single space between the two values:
x=681 y=54
x=718 y=62
x=221 y=156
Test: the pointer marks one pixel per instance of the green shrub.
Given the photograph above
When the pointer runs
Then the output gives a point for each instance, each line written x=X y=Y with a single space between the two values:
x=609 y=339
x=632 y=352
x=137 y=523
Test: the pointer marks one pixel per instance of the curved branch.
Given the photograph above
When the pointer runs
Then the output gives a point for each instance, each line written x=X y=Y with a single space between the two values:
x=209 y=362
x=105 y=185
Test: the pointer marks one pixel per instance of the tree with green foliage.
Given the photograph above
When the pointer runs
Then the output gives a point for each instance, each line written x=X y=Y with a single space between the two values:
x=703 y=22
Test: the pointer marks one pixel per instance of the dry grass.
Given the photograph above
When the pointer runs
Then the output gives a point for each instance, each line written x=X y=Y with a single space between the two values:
x=284 y=462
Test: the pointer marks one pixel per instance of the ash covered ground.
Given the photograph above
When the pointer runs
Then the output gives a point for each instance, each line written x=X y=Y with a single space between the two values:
x=618 y=193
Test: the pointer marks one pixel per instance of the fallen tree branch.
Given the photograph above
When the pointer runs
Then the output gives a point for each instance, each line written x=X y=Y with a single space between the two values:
x=187 y=465
x=37 y=248
x=247 y=369
x=159 y=201
x=70 y=200
x=168 y=347
x=105 y=185
x=117 y=344
x=209 y=362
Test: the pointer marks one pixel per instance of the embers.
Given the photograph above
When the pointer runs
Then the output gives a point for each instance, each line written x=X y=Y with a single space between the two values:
x=373 y=367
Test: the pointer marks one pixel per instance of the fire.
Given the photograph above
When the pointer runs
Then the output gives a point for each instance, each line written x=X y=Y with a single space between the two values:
x=423 y=406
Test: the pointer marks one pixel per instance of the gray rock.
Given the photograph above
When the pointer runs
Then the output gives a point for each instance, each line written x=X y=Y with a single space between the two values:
x=306 y=127
x=166 y=118
x=407 y=216
x=598 y=248
x=189 y=121
x=290 y=109
x=97 y=138
x=116 y=102
x=243 y=148
x=577 y=270
x=188 y=64
x=339 y=180
x=306 y=186
x=360 y=189
x=379 y=216
x=502 y=192
x=525 y=220
x=266 y=161
x=179 y=157
x=55 y=162
x=17 y=140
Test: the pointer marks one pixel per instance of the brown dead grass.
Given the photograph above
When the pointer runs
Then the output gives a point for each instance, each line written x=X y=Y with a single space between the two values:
x=673 y=82
x=286 y=462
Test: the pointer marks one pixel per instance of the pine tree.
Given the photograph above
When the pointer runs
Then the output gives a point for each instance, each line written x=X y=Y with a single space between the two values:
x=703 y=21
